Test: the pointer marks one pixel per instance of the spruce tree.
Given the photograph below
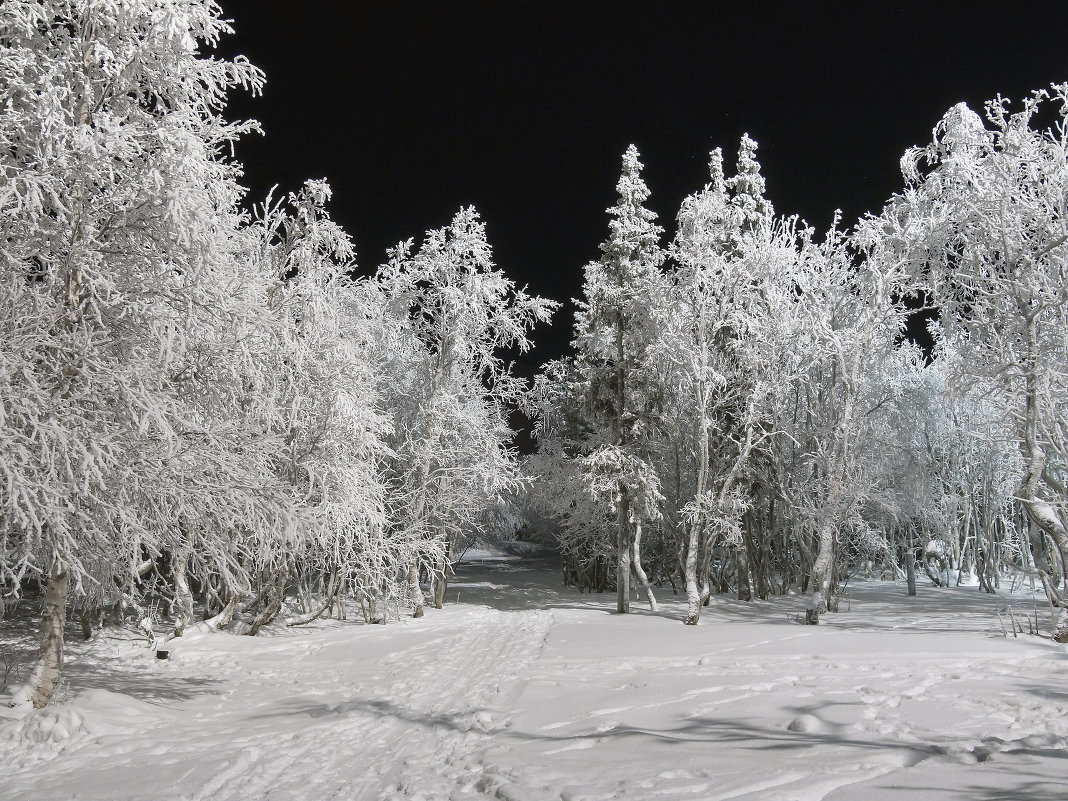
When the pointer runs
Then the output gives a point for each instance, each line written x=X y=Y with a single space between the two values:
x=613 y=324
x=752 y=211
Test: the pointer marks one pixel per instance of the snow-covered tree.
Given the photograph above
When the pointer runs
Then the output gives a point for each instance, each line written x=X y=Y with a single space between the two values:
x=451 y=392
x=981 y=223
x=721 y=337
x=326 y=411
x=846 y=329
x=751 y=212
x=612 y=332
x=120 y=290
x=955 y=482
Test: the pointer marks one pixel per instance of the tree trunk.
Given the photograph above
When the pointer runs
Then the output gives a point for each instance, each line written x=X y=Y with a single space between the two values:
x=1041 y=513
x=440 y=582
x=741 y=566
x=819 y=596
x=274 y=606
x=440 y=577
x=623 y=538
x=46 y=672
x=910 y=569
x=87 y=622
x=325 y=603
x=415 y=592
x=639 y=570
x=693 y=592
x=623 y=557
x=704 y=569
x=226 y=615
x=966 y=552
x=182 y=596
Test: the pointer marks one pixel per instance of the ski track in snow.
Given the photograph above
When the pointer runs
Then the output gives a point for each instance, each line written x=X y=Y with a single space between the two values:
x=536 y=693
x=317 y=723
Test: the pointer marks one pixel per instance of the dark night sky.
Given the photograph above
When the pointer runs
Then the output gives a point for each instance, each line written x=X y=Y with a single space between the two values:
x=412 y=110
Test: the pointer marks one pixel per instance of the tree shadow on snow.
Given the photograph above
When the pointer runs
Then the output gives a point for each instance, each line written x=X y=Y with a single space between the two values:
x=1010 y=770
x=151 y=687
x=1018 y=788
x=84 y=670
x=535 y=583
x=882 y=606
x=462 y=721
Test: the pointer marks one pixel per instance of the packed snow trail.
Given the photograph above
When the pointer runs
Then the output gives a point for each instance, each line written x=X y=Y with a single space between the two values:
x=342 y=711
x=523 y=691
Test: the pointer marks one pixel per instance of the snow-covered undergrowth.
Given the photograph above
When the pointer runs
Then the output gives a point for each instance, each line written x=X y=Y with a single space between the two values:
x=520 y=689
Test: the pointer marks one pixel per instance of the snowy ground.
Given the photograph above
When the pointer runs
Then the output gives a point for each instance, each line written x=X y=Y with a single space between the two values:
x=525 y=690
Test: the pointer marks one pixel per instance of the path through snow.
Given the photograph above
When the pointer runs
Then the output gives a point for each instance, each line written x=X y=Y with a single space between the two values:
x=524 y=690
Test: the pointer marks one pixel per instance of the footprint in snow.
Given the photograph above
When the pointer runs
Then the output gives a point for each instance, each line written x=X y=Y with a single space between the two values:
x=809 y=724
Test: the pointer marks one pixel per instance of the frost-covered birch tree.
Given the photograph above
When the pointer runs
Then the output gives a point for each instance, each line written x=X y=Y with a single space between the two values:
x=117 y=220
x=326 y=413
x=782 y=348
x=846 y=324
x=722 y=344
x=451 y=391
x=982 y=226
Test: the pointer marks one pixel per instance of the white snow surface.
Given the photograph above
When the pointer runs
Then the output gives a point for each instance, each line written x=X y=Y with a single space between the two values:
x=523 y=690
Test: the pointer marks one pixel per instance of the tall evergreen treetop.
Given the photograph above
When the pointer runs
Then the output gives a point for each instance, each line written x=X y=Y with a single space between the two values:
x=635 y=237
x=613 y=325
x=617 y=285
x=747 y=189
x=705 y=218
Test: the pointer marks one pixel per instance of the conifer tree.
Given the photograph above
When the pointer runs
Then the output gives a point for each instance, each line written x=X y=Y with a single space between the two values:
x=613 y=328
x=747 y=191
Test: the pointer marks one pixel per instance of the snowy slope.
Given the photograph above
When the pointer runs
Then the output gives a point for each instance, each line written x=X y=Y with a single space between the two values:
x=524 y=690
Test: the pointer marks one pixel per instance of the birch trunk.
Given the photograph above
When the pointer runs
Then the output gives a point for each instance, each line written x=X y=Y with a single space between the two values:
x=820 y=590
x=1040 y=512
x=87 y=621
x=415 y=592
x=325 y=604
x=623 y=556
x=823 y=568
x=639 y=570
x=705 y=567
x=440 y=579
x=226 y=615
x=183 y=597
x=696 y=528
x=745 y=592
x=272 y=609
x=693 y=592
x=46 y=672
